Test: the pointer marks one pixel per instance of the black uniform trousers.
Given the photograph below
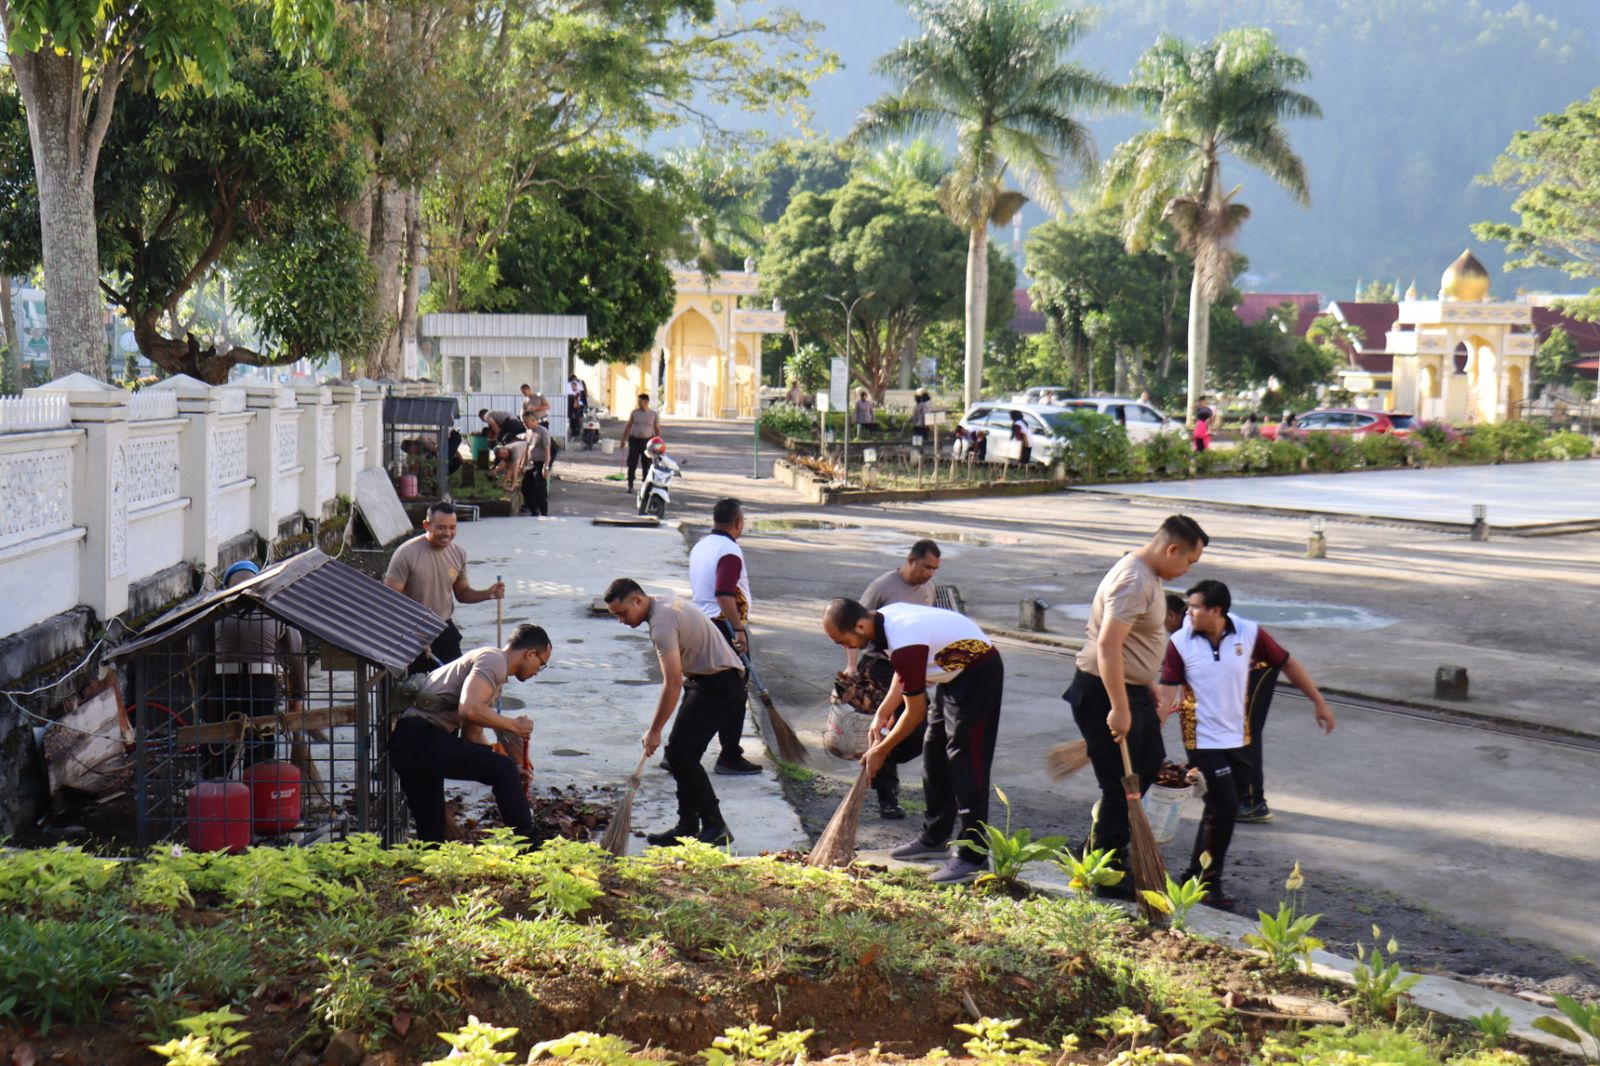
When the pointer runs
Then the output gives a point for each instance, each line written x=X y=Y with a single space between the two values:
x=446 y=649
x=1224 y=769
x=638 y=458
x=424 y=756
x=963 y=720
x=535 y=491
x=709 y=700
x=1263 y=684
x=1090 y=705
x=887 y=780
x=732 y=729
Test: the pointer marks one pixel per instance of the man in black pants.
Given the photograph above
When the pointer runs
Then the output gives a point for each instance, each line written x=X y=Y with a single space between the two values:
x=1111 y=692
x=927 y=644
x=435 y=739
x=1209 y=676
x=642 y=425
x=697 y=661
x=536 y=468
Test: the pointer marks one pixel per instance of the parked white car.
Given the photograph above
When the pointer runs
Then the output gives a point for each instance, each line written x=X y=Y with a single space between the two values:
x=1140 y=419
x=994 y=418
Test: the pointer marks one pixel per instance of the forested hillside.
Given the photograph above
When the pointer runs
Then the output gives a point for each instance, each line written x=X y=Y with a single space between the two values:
x=1419 y=96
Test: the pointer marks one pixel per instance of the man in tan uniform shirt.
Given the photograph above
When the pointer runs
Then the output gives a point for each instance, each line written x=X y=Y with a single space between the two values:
x=696 y=660
x=432 y=570
x=641 y=426
x=1111 y=693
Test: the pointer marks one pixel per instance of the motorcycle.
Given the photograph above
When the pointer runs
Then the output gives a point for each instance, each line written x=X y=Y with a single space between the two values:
x=654 y=491
x=591 y=433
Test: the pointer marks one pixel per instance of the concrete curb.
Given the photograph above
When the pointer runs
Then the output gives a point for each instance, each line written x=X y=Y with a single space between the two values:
x=1440 y=995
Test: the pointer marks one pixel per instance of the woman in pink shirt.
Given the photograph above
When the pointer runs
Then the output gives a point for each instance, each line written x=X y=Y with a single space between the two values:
x=1202 y=434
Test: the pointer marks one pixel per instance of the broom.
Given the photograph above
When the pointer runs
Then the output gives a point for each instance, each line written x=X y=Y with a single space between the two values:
x=514 y=746
x=616 y=839
x=790 y=749
x=1064 y=760
x=837 y=844
x=1149 y=871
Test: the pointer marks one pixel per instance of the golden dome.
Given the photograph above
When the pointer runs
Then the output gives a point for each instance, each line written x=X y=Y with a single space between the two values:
x=1465 y=279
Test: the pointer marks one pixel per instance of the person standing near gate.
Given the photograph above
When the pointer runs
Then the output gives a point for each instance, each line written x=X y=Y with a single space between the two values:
x=432 y=570
x=1112 y=694
x=536 y=468
x=697 y=661
x=1211 y=676
x=910 y=582
x=427 y=747
x=642 y=425
x=929 y=645
x=719 y=584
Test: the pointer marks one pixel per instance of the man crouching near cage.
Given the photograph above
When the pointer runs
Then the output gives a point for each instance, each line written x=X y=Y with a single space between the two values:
x=433 y=740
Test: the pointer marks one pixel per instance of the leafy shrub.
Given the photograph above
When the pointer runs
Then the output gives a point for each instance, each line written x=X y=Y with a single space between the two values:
x=1565 y=444
x=58 y=879
x=1009 y=852
x=1254 y=456
x=787 y=420
x=1500 y=442
x=1437 y=434
x=1379 y=985
x=1286 y=938
x=53 y=970
x=1092 y=446
x=1382 y=451
x=1166 y=454
x=1331 y=452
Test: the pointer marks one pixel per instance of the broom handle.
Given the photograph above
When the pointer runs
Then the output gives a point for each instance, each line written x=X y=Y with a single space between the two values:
x=499 y=635
x=1127 y=763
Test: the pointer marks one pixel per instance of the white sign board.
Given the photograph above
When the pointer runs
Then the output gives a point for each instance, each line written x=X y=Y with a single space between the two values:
x=936 y=418
x=839 y=385
x=380 y=506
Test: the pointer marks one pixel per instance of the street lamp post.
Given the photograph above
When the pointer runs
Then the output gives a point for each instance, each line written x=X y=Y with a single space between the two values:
x=849 y=312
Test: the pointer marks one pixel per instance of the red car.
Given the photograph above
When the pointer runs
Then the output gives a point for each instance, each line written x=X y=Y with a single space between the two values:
x=1347 y=420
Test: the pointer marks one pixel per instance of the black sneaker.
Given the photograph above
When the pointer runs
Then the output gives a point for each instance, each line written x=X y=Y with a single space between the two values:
x=717 y=835
x=735 y=766
x=889 y=807
x=1254 y=812
x=669 y=837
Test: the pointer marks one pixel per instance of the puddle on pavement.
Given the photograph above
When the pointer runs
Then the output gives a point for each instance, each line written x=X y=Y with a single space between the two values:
x=630 y=681
x=758 y=526
x=1284 y=614
x=567 y=752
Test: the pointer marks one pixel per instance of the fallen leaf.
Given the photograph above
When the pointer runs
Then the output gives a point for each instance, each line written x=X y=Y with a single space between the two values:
x=402 y=1023
x=867 y=956
x=24 y=1055
x=1022 y=983
x=408 y=880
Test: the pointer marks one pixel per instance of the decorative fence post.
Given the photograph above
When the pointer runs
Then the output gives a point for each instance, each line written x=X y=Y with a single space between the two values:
x=198 y=405
x=319 y=456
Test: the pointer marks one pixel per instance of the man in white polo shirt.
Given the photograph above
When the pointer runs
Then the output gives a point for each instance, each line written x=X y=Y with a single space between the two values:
x=719 y=584
x=1212 y=670
x=927 y=645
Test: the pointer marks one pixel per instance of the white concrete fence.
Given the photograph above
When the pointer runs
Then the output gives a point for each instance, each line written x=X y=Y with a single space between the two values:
x=101 y=488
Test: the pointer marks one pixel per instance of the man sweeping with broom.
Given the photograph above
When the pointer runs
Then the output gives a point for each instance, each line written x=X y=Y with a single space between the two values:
x=929 y=645
x=1111 y=692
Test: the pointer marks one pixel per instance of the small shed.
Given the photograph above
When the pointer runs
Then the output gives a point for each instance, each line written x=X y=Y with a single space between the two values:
x=420 y=441
x=281 y=683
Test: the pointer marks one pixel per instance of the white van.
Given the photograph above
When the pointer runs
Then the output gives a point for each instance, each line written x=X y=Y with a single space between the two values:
x=1140 y=419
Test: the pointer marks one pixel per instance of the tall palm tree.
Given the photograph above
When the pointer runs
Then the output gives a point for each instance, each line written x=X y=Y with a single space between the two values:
x=993 y=70
x=1231 y=95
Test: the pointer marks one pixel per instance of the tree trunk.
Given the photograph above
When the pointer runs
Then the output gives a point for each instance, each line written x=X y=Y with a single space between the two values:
x=977 y=308
x=1120 y=373
x=412 y=294
x=11 y=371
x=1199 y=337
x=64 y=167
x=386 y=249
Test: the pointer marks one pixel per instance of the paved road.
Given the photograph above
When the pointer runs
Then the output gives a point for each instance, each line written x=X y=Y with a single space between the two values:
x=1452 y=836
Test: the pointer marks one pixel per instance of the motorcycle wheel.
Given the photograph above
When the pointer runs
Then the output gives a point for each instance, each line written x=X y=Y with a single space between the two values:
x=656 y=507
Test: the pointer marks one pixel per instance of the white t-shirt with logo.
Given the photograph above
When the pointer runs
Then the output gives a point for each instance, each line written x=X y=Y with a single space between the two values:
x=707 y=568
x=930 y=645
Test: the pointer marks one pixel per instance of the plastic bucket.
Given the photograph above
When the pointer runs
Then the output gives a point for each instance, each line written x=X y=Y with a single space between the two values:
x=408 y=486
x=846 y=734
x=608 y=446
x=1163 y=806
x=479 y=443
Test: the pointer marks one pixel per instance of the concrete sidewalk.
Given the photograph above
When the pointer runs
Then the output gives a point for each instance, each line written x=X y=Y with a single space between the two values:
x=594 y=701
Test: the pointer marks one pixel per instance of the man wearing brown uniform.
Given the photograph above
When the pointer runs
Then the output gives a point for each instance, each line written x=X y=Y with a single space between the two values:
x=428 y=746
x=432 y=570
x=1112 y=692
x=696 y=660
x=910 y=582
x=642 y=424
x=536 y=468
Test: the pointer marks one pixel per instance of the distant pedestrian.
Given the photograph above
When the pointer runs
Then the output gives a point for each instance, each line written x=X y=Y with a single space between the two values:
x=574 y=405
x=929 y=645
x=535 y=478
x=1214 y=674
x=1111 y=692
x=865 y=417
x=1019 y=433
x=1202 y=432
x=910 y=582
x=921 y=405
x=797 y=395
x=432 y=569
x=642 y=425
x=1252 y=427
x=696 y=661
x=719 y=583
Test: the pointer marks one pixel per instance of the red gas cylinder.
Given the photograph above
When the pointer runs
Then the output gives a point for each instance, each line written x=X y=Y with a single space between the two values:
x=274 y=796
x=408 y=486
x=219 y=816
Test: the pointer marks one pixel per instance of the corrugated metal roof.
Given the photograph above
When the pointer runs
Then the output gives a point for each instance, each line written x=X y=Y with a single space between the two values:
x=572 y=327
x=319 y=595
x=419 y=411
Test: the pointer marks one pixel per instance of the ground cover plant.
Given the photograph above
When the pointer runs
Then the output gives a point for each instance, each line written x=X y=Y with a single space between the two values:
x=567 y=953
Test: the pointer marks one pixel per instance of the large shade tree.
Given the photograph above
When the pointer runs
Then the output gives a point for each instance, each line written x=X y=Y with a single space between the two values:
x=71 y=59
x=1229 y=96
x=993 y=71
x=890 y=249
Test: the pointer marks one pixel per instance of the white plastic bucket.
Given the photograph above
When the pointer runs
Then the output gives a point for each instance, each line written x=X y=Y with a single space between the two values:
x=608 y=446
x=846 y=733
x=1163 y=806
